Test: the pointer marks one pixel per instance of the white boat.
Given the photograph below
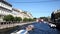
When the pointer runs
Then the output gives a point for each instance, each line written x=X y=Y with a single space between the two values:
x=24 y=31
x=20 y=32
x=52 y=25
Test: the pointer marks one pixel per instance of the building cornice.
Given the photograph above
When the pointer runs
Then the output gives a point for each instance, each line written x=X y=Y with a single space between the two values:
x=5 y=2
x=5 y=8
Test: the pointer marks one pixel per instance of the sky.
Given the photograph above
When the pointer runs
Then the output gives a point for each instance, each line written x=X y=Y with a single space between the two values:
x=38 y=8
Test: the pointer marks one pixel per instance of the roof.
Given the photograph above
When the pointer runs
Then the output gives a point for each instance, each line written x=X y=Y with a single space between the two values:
x=15 y=10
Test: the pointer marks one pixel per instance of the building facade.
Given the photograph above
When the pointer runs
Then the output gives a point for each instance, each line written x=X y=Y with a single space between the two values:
x=6 y=9
x=55 y=14
x=21 y=13
x=17 y=13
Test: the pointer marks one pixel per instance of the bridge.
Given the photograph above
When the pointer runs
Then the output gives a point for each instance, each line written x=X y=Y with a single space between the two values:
x=8 y=25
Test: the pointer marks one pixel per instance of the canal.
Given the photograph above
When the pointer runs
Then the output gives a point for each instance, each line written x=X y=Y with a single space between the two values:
x=43 y=28
x=39 y=28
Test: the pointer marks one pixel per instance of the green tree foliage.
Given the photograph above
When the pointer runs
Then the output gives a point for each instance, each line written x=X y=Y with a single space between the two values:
x=8 y=18
x=34 y=19
x=25 y=19
x=17 y=18
x=45 y=18
x=11 y=18
x=30 y=19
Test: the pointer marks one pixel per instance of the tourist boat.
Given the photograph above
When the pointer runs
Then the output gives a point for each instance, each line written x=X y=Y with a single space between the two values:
x=24 y=31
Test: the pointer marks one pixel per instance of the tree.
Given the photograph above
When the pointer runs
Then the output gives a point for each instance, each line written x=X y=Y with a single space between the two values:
x=17 y=18
x=30 y=19
x=44 y=18
x=34 y=19
x=25 y=19
x=8 y=18
x=52 y=16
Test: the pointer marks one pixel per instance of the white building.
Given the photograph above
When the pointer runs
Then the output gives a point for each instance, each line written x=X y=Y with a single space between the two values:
x=21 y=13
x=27 y=14
x=5 y=8
x=17 y=13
